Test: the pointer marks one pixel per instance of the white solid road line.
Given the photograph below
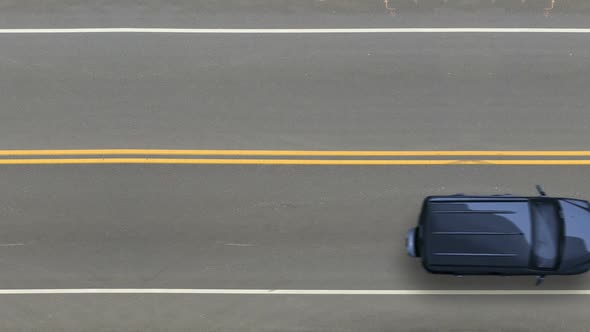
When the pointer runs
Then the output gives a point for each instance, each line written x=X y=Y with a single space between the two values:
x=285 y=291
x=293 y=31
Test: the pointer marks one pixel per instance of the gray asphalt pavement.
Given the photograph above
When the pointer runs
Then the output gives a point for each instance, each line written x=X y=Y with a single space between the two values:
x=275 y=227
x=287 y=227
x=301 y=13
x=292 y=313
x=391 y=91
x=261 y=227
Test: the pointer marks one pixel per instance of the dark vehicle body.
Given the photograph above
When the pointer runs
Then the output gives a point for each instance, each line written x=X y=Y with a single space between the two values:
x=502 y=235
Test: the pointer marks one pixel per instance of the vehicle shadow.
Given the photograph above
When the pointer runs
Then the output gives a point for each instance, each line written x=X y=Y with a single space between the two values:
x=415 y=277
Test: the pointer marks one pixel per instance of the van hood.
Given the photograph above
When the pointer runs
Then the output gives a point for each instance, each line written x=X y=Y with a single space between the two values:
x=576 y=248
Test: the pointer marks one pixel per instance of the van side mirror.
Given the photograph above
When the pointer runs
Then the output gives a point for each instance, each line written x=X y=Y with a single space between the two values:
x=540 y=190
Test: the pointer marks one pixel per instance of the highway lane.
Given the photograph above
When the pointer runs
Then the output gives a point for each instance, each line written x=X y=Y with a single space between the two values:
x=368 y=91
x=261 y=227
x=269 y=227
x=291 y=313
x=280 y=13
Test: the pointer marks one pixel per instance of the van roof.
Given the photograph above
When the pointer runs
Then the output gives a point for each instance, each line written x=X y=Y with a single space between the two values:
x=477 y=231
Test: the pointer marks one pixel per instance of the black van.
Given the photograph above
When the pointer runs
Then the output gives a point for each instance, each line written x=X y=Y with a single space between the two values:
x=503 y=235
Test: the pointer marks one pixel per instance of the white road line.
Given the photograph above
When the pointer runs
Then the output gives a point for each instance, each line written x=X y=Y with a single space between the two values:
x=294 y=31
x=286 y=291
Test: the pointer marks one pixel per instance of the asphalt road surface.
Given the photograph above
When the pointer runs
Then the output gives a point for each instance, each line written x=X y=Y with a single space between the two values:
x=325 y=91
x=275 y=227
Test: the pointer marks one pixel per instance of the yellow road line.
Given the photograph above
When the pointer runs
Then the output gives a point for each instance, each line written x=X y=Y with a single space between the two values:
x=416 y=153
x=286 y=161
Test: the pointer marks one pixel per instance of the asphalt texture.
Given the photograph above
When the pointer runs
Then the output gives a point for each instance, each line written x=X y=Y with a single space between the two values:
x=404 y=91
x=274 y=227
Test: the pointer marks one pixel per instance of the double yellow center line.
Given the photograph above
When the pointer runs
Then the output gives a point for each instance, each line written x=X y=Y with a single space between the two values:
x=291 y=157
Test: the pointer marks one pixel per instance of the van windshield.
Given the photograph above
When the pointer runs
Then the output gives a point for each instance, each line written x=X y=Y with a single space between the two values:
x=546 y=230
